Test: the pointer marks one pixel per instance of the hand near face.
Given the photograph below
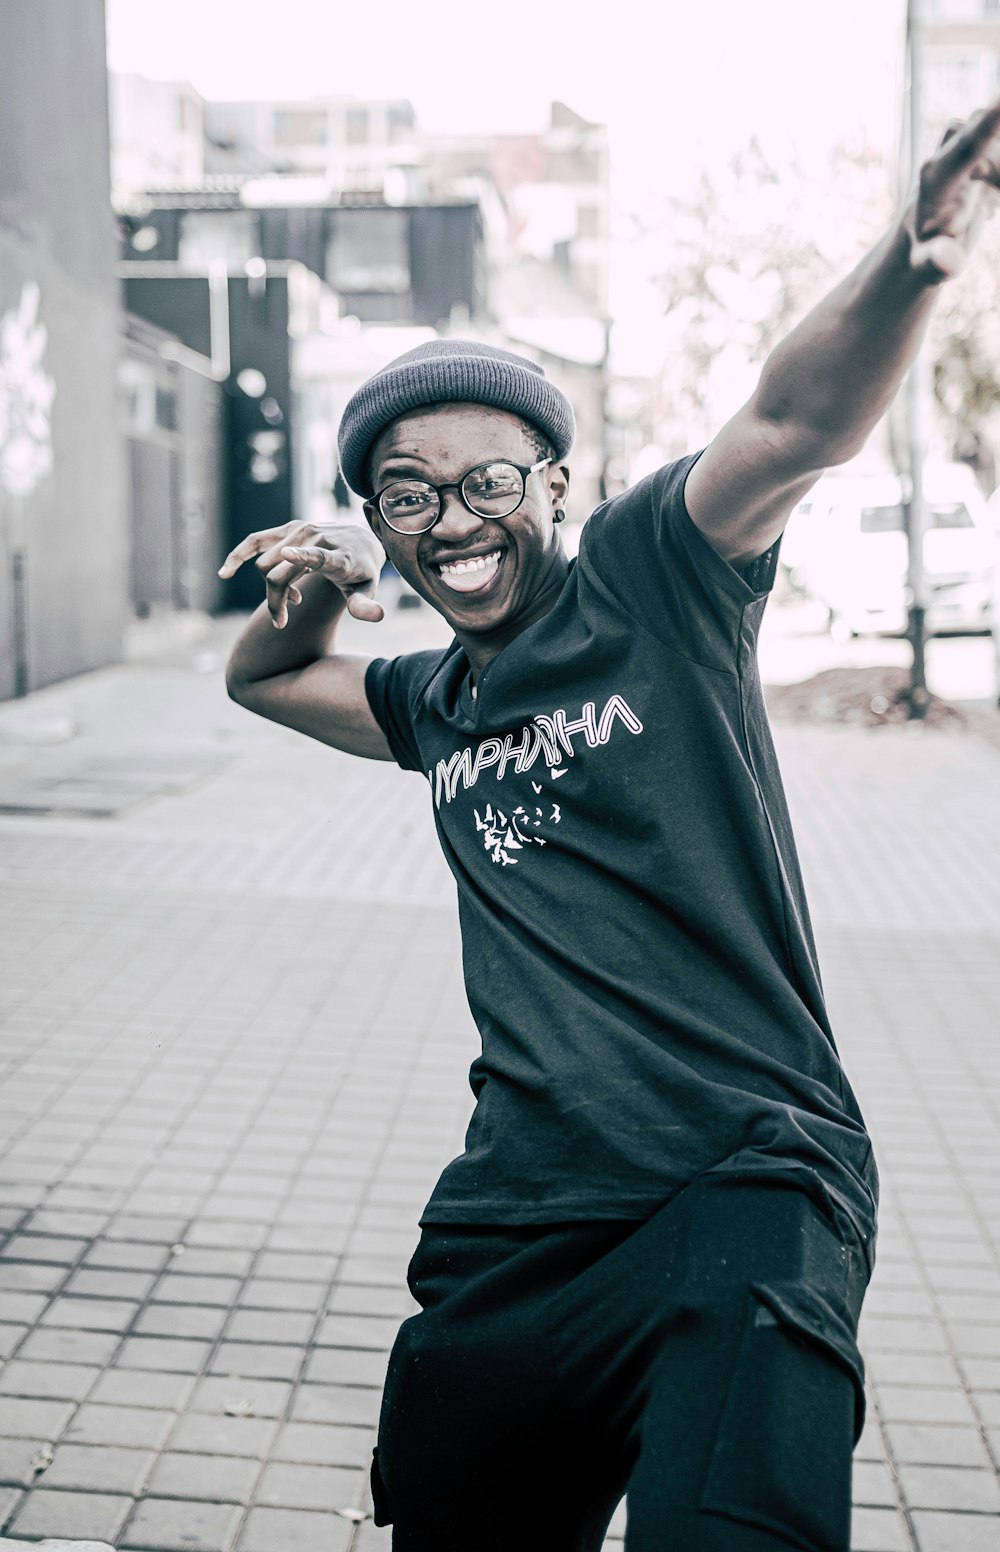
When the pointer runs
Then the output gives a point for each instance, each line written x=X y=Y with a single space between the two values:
x=344 y=553
x=955 y=185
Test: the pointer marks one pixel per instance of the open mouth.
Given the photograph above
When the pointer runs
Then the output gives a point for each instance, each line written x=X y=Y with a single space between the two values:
x=473 y=575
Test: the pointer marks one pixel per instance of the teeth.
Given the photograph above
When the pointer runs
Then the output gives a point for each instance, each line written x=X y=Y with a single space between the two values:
x=478 y=563
x=470 y=576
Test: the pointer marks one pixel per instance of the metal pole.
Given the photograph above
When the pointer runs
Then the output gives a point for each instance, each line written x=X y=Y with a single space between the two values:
x=913 y=507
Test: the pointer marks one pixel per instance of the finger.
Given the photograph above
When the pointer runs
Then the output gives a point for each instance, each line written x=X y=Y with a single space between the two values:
x=277 y=586
x=309 y=557
x=953 y=128
x=294 y=596
x=969 y=142
x=364 y=608
x=253 y=544
x=939 y=258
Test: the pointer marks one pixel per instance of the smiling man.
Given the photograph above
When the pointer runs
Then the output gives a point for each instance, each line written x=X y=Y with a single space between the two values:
x=643 y=1275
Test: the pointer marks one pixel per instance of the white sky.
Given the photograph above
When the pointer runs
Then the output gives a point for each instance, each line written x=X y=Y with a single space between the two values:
x=676 y=80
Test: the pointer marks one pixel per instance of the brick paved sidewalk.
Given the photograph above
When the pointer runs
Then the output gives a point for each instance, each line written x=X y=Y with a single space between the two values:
x=234 y=1060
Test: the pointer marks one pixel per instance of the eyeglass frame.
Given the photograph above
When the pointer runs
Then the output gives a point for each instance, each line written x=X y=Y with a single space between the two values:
x=414 y=533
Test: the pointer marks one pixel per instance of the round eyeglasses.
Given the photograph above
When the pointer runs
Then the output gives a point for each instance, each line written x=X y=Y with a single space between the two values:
x=488 y=490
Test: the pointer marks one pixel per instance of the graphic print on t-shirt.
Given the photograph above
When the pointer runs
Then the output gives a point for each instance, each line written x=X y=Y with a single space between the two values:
x=506 y=830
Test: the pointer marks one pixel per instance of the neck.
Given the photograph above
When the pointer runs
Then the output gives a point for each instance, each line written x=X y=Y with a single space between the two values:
x=481 y=649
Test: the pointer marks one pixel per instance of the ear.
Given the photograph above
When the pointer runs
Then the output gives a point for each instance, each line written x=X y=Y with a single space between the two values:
x=372 y=514
x=558 y=484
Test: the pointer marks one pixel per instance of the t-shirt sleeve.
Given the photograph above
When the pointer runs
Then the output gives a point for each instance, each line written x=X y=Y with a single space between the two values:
x=393 y=687
x=646 y=550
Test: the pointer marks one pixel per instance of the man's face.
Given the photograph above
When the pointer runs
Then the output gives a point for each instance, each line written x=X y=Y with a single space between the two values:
x=520 y=562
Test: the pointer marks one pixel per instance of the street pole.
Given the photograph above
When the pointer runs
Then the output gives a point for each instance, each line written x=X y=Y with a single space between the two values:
x=913 y=403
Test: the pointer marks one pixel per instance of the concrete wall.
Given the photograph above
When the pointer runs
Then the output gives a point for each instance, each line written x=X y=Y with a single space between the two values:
x=61 y=468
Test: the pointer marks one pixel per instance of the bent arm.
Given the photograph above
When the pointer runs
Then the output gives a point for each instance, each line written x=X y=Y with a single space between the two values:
x=821 y=393
x=828 y=383
x=293 y=676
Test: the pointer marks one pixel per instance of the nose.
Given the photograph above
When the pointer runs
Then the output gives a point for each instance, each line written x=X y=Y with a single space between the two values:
x=456 y=522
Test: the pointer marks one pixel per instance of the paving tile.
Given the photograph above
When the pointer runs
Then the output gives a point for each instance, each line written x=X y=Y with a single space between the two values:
x=923 y=1404
x=143 y=1388
x=274 y=1326
x=878 y=1530
x=10 y=1497
x=91 y=1314
x=271 y=1293
x=90 y=1516
x=68 y=1223
x=11 y=1338
x=378 y=1538
x=943 y=1532
x=346 y=1366
x=35 y=1419
x=927 y=1445
x=207 y=1261
x=62 y=1381
x=208 y=1434
x=286 y=1265
x=912 y=1368
x=183 y=1288
x=21 y=1306
x=60 y=1345
x=203 y=1322
x=285 y=1485
x=126 y=1256
x=17 y=1461
x=31 y=1276
x=135 y=1427
x=365 y=1299
x=214 y=1476
x=175 y=1354
x=304 y=1529
x=371 y=1331
x=182 y=1525
x=99 y=1468
x=950 y=1487
x=110 y=1283
x=336 y=1404
x=265 y=1397
x=44 y=1247
x=251 y=1358
x=987 y=1404
x=160 y=1231
x=324 y=1444
x=872 y=1485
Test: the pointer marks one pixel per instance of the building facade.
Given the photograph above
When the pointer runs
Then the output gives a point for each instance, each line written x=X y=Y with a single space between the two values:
x=64 y=544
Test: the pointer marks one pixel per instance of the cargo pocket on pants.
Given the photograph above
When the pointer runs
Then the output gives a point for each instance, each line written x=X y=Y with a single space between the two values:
x=381 y=1512
x=782 y=1456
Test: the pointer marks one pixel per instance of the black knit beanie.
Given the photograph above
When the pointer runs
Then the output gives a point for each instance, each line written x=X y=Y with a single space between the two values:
x=446 y=371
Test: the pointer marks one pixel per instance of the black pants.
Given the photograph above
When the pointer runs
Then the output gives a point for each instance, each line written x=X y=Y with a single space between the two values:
x=703 y=1363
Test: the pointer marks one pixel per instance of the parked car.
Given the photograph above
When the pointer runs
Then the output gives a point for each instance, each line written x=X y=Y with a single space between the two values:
x=846 y=546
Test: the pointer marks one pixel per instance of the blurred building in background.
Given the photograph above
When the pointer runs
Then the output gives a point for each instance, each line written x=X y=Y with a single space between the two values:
x=961 y=58
x=403 y=234
x=63 y=534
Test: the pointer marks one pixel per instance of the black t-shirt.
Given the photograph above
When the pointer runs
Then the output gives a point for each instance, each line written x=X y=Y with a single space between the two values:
x=637 y=948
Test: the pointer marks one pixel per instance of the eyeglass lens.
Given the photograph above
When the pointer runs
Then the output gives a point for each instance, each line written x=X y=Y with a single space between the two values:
x=491 y=490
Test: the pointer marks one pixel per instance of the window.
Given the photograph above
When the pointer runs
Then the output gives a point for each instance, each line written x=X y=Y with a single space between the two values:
x=356 y=126
x=369 y=251
x=881 y=519
x=300 y=126
x=211 y=235
x=955 y=515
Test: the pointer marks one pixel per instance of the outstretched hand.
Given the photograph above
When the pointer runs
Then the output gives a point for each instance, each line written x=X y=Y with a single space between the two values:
x=954 y=184
x=345 y=553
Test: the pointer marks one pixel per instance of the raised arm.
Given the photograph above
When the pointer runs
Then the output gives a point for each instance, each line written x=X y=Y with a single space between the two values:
x=827 y=384
x=283 y=666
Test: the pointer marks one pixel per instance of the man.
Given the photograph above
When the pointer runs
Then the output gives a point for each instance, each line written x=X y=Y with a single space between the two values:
x=644 y=1274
